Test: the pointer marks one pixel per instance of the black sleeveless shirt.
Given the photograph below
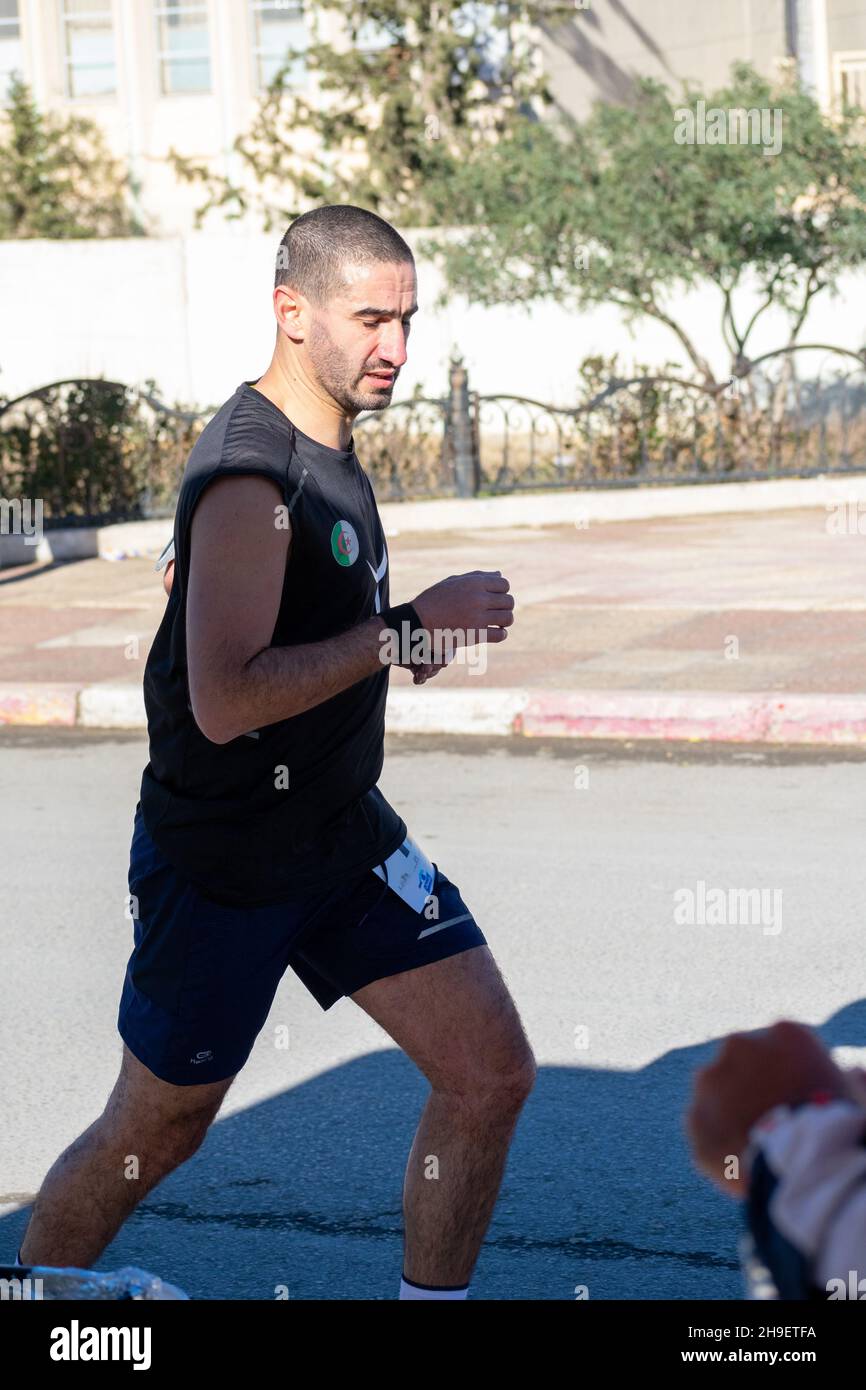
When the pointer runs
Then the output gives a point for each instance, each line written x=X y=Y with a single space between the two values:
x=290 y=805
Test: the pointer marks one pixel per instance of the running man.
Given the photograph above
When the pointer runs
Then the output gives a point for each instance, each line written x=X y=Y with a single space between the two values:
x=261 y=840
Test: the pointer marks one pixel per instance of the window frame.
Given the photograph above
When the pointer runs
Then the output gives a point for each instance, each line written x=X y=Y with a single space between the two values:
x=16 y=21
x=6 y=73
x=162 y=10
x=842 y=60
x=258 y=53
x=70 y=21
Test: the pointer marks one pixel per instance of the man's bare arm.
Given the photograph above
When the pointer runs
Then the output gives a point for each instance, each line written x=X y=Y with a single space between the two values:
x=237 y=680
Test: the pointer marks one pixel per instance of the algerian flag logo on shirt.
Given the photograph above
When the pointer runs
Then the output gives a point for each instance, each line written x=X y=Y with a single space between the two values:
x=344 y=543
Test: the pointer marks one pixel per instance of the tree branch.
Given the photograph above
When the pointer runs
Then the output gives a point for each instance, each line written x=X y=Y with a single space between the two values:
x=649 y=307
x=761 y=307
x=736 y=349
x=812 y=288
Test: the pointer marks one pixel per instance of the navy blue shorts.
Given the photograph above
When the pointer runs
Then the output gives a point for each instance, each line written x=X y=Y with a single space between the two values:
x=202 y=977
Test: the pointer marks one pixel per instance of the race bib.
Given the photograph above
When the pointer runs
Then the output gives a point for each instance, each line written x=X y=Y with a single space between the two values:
x=409 y=872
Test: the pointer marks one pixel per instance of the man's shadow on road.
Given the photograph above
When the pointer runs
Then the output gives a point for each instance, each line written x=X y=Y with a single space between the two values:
x=299 y=1196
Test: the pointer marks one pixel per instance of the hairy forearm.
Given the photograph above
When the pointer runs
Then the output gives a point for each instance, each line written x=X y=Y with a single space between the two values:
x=280 y=682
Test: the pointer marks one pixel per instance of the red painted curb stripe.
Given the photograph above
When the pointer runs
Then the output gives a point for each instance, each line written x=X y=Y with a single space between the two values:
x=735 y=718
x=38 y=704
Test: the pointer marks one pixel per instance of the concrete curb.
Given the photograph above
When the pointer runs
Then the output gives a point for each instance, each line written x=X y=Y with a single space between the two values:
x=111 y=707
x=581 y=508
x=697 y=716
x=418 y=711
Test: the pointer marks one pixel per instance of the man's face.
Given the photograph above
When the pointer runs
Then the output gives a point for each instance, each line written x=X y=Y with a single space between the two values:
x=357 y=342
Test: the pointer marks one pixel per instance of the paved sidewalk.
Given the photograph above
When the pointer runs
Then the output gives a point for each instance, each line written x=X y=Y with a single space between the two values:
x=725 y=626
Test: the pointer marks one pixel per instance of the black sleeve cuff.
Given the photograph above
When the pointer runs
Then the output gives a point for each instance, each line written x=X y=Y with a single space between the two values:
x=401 y=613
x=404 y=622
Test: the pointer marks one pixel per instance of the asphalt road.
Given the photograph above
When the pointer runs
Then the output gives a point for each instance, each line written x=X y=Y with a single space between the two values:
x=572 y=859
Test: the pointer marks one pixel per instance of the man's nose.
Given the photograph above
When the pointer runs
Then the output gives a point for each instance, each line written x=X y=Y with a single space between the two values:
x=392 y=345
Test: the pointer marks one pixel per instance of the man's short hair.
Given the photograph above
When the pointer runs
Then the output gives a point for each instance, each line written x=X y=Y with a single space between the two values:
x=316 y=248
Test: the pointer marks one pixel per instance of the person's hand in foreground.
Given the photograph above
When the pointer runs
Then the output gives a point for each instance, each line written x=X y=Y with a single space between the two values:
x=753 y=1073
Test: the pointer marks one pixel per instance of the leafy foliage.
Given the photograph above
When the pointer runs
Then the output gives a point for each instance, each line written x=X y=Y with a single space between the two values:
x=445 y=78
x=613 y=210
x=57 y=177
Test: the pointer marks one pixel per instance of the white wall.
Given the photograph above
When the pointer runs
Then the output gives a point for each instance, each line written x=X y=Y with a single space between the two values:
x=195 y=313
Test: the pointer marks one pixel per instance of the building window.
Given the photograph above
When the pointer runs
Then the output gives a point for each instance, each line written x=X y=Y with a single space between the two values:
x=182 y=46
x=850 y=73
x=277 y=25
x=88 y=47
x=11 y=56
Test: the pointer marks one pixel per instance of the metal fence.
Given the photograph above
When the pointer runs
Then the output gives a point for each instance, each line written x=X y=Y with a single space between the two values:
x=639 y=432
x=99 y=451
x=95 y=451
x=649 y=431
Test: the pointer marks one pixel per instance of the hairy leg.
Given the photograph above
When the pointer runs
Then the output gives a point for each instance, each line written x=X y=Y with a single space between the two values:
x=457 y=1021
x=147 y=1129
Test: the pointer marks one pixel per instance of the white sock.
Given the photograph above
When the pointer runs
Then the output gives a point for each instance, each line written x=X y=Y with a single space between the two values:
x=410 y=1290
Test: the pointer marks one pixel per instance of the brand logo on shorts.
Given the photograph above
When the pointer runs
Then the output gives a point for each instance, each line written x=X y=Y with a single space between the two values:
x=201 y=1057
x=344 y=543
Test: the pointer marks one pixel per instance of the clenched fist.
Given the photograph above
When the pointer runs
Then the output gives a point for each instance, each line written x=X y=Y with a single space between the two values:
x=477 y=604
x=753 y=1073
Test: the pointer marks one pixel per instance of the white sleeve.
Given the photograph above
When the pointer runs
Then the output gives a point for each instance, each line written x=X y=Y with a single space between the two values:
x=816 y=1155
x=166 y=557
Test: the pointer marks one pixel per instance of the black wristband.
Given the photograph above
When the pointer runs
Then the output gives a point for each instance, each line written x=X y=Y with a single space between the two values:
x=396 y=619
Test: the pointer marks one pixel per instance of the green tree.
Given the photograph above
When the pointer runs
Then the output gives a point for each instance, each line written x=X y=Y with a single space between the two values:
x=443 y=78
x=613 y=210
x=57 y=177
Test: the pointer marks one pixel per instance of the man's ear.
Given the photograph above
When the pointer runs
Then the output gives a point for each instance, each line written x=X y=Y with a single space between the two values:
x=168 y=577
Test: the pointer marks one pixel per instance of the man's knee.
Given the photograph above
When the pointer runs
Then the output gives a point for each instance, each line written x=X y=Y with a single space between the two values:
x=180 y=1137
x=517 y=1081
x=151 y=1147
x=498 y=1081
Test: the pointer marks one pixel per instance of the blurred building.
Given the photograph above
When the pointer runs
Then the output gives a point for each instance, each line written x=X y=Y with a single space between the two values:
x=187 y=74
x=598 y=56
x=156 y=74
